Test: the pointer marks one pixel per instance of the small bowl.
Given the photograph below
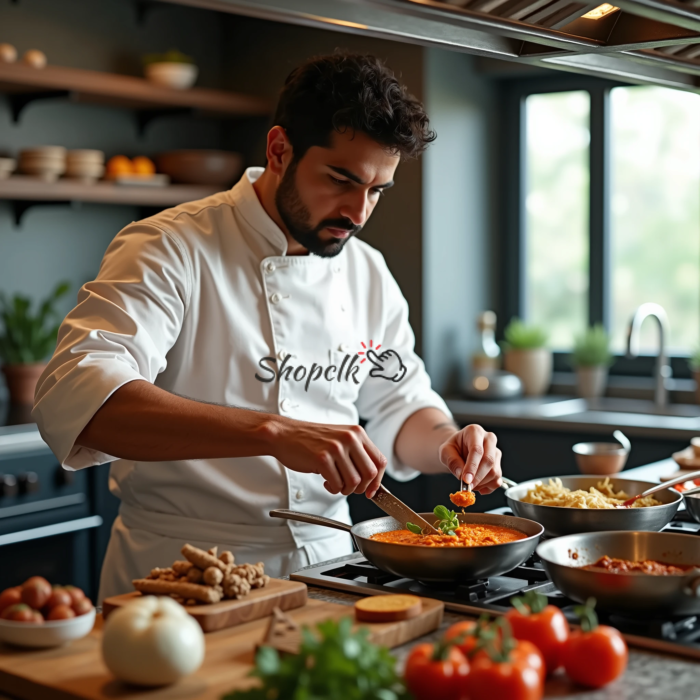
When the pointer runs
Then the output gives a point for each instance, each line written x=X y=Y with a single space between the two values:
x=51 y=633
x=201 y=167
x=600 y=457
x=84 y=172
x=692 y=505
x=179 y=76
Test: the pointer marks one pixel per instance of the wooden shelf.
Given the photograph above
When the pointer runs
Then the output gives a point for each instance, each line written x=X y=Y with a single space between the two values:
x=25 y=192
x=24 y=84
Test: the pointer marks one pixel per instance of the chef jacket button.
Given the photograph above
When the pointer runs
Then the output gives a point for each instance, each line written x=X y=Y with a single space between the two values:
x=270 y=266
x=276 y=298
x=342 y=307
x=343 y=347
x=336 y=268
x=299 y=495
x=282 y=354
x=285 y=404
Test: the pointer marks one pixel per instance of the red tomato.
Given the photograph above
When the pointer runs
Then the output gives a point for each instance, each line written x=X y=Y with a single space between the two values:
x=60 y=612
x=10 y=596
x=36 y=591
x=20 y=612
x=38 y=618
x=76 y=593
x=521 y=677
x=59 y=596
x=428 y=677
x=595 y=658
x=82 y=606
x=548 y=630
x=463 y=630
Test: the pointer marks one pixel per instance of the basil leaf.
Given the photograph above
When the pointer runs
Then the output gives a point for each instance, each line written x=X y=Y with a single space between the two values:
x=441 y=512
x=414 y=529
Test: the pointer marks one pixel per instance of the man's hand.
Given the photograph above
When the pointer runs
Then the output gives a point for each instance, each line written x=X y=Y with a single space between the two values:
x=342 y=454
x=473 y=451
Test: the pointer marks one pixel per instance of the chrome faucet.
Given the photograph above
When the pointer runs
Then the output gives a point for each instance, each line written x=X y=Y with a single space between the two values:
x=663 y=368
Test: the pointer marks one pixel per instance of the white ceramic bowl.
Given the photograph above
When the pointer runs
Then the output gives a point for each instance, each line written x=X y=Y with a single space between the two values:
x=51 y=633
x=602 y=458
x=87 y=172
x=178 y=76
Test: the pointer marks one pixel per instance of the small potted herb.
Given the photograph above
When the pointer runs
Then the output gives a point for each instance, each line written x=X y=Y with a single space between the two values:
x=591 y=359
x=172 y=69
x=694 y=363
x=26 y=340
x=526 y=355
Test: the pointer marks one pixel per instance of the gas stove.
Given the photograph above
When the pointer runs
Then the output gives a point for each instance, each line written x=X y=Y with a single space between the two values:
x=677 y=635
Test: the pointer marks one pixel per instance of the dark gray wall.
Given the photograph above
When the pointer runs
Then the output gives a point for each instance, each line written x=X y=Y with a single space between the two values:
x=458 y=227
x=59 y=242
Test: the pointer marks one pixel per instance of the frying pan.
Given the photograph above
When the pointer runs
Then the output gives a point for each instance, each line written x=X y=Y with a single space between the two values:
x=631 y=593
x=568 y=521
x=434 y=564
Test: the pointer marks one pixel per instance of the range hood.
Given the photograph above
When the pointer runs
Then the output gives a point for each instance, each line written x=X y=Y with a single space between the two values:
x=639 y=41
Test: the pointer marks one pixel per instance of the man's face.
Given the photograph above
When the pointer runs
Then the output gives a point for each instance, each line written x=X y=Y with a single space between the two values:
x=326 y=197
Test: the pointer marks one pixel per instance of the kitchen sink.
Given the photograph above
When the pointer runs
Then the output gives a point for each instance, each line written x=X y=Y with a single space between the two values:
x=571 y=407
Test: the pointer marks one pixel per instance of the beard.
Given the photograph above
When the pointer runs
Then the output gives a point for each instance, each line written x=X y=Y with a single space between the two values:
x=297 y=219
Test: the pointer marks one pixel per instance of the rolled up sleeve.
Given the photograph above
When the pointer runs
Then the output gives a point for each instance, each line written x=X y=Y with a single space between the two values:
x=386 y=404
x=121 y=330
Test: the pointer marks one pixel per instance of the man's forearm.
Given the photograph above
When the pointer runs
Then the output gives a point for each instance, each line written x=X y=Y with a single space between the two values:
x=420 y=438
x=142 y=422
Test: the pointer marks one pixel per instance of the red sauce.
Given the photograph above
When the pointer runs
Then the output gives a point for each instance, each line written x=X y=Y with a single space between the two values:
x=465 y=536
x=648 y=566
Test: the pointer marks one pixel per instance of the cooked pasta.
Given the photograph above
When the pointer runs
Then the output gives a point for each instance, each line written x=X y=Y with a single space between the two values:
x=602 y=495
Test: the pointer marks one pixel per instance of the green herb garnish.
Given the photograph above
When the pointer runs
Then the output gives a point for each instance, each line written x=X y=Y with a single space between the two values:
x=415 y=529
x=333 y=662
x=448 y=521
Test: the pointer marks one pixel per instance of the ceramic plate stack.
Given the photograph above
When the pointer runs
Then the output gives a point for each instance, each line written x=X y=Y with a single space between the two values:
x=7 y=165
x=45 y=162
x=85 y=165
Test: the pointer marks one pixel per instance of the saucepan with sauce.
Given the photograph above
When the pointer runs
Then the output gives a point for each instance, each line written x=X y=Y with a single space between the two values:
x=642 y=573
x=483 y=544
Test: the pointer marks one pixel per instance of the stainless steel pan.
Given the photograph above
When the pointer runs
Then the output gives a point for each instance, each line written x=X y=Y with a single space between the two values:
x=563 y=558
x=567 y=521
x=434 y=563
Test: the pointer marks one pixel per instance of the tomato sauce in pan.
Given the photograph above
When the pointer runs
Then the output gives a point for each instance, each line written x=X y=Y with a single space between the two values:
x=648 y=566
x=469 y=535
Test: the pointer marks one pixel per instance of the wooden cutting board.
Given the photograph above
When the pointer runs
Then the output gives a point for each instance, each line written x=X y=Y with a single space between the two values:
x=76 y=671
x=260 y=602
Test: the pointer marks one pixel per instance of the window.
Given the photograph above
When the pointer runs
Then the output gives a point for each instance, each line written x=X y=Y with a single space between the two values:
x=601 y=185
x=655 y=212
x=556 y=206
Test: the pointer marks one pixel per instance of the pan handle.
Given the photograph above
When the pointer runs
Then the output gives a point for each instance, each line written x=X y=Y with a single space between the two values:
x=693 y=588
x=507 y=483
x=309 y=518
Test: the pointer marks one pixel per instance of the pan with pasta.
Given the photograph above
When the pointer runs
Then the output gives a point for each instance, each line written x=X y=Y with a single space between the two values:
x=573 y=504
x=602 y=495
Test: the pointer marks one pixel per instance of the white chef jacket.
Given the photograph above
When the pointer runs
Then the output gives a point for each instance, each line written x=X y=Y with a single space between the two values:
x=191 y=300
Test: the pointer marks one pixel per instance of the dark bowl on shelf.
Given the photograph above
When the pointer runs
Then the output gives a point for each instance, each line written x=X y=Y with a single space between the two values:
x=201 y=167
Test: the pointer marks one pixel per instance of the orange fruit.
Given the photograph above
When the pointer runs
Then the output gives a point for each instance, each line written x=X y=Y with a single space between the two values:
x=119 y=165
x=143 y=166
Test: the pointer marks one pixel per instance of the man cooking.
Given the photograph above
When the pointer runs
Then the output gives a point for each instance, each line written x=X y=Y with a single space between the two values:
x=228 y=347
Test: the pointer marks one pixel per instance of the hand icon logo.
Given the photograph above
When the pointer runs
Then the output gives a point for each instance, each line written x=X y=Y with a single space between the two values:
x=387 y=365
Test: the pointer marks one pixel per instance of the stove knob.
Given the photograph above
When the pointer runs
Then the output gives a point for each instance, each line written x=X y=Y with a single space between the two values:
x=28 y=482
x=8 y=485
x=64 y=477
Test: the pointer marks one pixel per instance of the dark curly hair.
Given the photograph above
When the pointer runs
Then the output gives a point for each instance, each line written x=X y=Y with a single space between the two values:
x=351 y=91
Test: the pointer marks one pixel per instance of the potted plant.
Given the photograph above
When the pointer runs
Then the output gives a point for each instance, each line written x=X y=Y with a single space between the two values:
x=525 y=354
x=591 y=359
x=172 y=69
x=26 y=339
x=694 y=362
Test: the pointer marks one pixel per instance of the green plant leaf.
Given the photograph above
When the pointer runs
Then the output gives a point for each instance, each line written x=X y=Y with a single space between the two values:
x=415 y=529
x=592 y=348
x=441 y=512
x=521 y=336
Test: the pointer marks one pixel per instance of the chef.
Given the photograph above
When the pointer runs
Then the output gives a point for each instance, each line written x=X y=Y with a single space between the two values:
x=223 y=356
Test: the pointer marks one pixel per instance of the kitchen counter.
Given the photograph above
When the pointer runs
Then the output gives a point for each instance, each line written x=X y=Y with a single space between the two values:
x=649 y=675
x=573 y=415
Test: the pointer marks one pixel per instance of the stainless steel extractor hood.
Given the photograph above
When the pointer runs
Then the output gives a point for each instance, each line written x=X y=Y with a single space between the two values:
x=641 y=41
